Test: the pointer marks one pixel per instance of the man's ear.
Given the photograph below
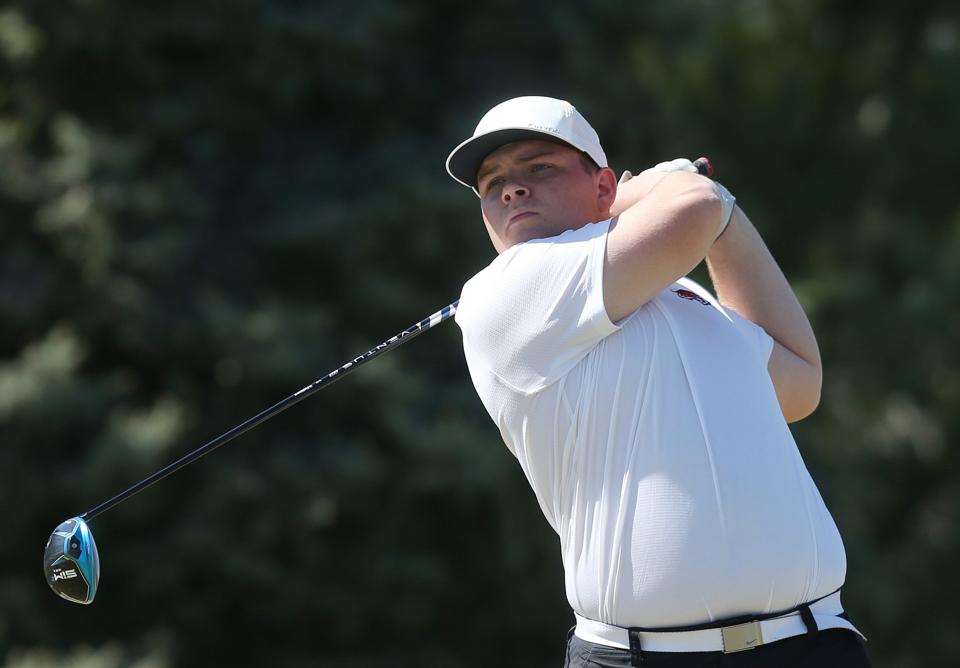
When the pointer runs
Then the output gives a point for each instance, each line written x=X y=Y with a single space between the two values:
x=606 y=189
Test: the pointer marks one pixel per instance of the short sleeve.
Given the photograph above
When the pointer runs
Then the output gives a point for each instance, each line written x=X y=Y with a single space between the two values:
x=537 y=309
x=755 y=334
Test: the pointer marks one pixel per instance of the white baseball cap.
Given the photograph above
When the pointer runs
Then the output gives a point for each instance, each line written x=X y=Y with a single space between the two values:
x=530 y=117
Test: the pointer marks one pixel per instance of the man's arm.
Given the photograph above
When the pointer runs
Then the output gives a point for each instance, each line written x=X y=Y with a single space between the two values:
x=633 y=188
x=659 y=238
x=748 y=280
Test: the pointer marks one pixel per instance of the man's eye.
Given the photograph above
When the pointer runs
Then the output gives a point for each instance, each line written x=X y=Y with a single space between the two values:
x=540 y=167
x=493 y=183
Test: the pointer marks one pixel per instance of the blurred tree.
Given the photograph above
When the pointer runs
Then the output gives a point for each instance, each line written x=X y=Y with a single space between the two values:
x=204 y=206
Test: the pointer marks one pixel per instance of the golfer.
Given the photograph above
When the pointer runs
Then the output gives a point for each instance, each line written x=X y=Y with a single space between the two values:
x=648 y=415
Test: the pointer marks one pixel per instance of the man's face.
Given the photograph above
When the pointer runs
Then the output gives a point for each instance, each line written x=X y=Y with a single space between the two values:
x=536 y=189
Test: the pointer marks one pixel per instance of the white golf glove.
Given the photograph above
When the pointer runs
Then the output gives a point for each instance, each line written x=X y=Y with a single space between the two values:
x=683 y=165
x=676 y=165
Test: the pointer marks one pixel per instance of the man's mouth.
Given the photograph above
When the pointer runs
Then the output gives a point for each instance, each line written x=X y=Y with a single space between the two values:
x=520 y=215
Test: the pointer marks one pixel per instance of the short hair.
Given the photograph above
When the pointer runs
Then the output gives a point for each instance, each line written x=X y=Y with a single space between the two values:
x=589 y=166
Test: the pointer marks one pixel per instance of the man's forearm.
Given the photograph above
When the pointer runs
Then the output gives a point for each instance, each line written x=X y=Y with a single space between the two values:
x=748 y=280
x=634 y=190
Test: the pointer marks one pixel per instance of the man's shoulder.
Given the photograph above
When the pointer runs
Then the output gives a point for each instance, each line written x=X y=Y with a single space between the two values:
x=537 y=309
x=528 y=255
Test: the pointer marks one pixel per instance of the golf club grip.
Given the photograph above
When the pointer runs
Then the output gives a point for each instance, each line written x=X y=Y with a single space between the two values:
x=704 y=166
x=414 y=330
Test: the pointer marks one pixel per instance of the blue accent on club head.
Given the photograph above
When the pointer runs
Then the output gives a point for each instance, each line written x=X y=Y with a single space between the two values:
x=89 y=560
x=71 y=562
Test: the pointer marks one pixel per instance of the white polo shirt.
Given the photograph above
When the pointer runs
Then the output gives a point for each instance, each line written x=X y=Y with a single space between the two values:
x=656 y=447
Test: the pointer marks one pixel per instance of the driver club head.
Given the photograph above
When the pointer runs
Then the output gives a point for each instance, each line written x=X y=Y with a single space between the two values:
x=71 y=562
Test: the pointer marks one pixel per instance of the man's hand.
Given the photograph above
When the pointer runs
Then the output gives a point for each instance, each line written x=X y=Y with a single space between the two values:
x=675 y=165
x=631 y=189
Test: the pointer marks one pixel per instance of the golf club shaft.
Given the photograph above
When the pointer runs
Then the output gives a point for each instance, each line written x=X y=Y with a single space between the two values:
x=404 y=336
x=703 y=167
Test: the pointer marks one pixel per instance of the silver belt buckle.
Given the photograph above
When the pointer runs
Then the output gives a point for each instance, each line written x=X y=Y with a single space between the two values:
x=741 y=637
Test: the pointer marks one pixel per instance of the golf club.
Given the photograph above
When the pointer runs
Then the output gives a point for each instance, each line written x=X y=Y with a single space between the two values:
x=70 y=560
x=71 y=563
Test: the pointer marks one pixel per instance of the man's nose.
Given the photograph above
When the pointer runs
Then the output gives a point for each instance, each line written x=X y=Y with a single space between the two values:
x=512 y=190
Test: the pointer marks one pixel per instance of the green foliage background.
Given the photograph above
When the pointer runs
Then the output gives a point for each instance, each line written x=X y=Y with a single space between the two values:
x=206 y=205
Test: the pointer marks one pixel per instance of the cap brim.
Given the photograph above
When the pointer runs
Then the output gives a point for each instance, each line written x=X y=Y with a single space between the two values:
x=465 y=160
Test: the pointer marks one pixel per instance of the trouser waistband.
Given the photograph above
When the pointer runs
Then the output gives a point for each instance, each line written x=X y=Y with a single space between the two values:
x=732 y=636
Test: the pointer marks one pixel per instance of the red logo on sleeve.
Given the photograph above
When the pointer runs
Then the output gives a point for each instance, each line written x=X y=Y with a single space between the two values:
x=692 y=296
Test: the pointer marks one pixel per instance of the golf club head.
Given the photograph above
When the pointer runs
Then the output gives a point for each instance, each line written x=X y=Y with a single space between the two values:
x=71 y=562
